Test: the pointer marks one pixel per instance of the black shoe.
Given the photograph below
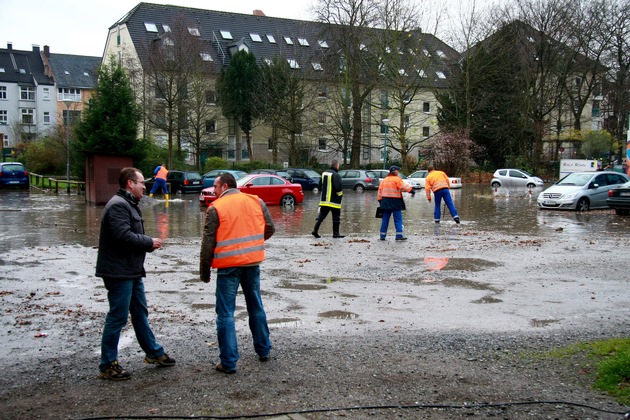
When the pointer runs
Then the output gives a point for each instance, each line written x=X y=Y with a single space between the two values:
x=339 y=236
x=115 y=372
x=383 y=239
x=315 y=234
x=263 y=358
x=437 y=221
x=456 y=220
x=403 y=238
x=163 y=360
x=219 y=367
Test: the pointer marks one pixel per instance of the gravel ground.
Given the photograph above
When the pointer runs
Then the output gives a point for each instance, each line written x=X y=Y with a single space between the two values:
x=438 y=327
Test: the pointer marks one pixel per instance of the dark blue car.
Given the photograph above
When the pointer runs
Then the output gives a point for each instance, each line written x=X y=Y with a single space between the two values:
x=13 y=174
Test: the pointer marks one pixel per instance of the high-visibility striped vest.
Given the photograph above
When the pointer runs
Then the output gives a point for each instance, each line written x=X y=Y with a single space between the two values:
x=392 y=187
x=330 y=198
x=435 y=181
x=241 y=232
x=162 y=173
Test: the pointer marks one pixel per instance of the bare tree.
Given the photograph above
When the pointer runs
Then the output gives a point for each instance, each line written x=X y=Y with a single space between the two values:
x=201 y=128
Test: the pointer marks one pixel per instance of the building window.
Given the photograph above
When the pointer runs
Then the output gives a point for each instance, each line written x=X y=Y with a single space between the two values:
x=211 y=127
x=205 y=56
x=166 y=28
x=231 y=127
x=3 y=92
x=406 y=98
x=226 y=34
x=28 y=116
x=46 y=118
x=321 y=118
x=46 y=93
x=440 y=75
x=384 y=122
x=75 y=116
x=288 y=40
x=293 y=63
x=27 y=93
x=426 y=107
x=322 y=145
x=255 y=37
x=67 y=94
x=425 y=132
x=150 y=27
x=322 y=91
x=271 y=39
x=3 y=117
x=406 y=120
x=317 y=66
x=323 y=44
x=303 y=42
x=384 y=99
x=270 y=144
x=194 y=31
x=244 y=151
x=231 y=147
x=211 y=97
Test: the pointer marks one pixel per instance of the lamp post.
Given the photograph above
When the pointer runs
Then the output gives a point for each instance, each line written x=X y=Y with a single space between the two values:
x=386 y=125
x=68 y=103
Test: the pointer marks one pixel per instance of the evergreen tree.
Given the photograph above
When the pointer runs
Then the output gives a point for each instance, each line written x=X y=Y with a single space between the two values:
x=110 y=122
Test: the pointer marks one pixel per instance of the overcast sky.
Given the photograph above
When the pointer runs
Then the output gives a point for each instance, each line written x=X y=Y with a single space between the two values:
x=80 y=27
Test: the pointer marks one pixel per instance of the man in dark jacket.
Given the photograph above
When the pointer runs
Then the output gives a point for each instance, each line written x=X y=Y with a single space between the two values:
x=120 y=262
x=331 y=188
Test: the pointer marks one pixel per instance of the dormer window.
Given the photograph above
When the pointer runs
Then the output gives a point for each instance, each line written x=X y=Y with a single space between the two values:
x=255 y=37
x=194 y=31
x=226 y=34
x=150 y=27
x=303 y=42
x=288 y=40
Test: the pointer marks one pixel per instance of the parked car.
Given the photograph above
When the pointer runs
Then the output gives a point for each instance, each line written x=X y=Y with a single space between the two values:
x=414 y=182
x=273 y=190
x=619 y=199
x=13 y=174
x=280 y=173
x=209 y=177
x=420 y=176
x=307 y=178
x=180 y=181
x=515 y=178
x=581 y=191
x=359 y=179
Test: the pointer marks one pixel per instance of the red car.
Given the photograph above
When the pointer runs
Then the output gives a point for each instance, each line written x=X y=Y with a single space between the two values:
x=273 y=190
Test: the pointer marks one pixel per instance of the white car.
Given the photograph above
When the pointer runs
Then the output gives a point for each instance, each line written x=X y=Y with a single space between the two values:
x=415 y=184
x=580 y=191
x=515 y=178
x=420 y=176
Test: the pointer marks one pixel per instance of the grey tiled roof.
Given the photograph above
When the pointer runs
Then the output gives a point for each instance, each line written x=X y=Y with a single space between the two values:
x=23 y=67
x=75 y=71
x=242 y=27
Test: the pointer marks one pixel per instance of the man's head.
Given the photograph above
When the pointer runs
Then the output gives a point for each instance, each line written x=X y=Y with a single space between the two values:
x=394 y=169
x=223 y=182
x=334 y=164
x=430 y=168
x=132 y=180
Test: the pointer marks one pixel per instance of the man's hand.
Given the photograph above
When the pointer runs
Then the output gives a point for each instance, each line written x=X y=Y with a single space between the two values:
x=157 y=243
x=429 y=199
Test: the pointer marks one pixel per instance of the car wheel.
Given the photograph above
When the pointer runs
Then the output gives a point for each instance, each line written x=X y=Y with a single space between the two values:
x=495 y=184
x=315 y=190
x=287 y=200
x=583 y=204
x=359 y=188
x=622 y=212
x=531 y=186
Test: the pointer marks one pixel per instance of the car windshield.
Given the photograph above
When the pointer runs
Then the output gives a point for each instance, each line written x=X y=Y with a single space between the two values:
x=402 y=176
x=242 y=181
x=194 y=175
x=311 y=174
x=12 y=167
x=526 y=173
x=239 y=174
x=282 y=174
x=576 y=178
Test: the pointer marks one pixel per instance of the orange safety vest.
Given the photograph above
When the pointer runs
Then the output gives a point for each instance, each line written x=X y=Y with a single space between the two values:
x=162 y=173
x=392 y=187
x=435 y=181
x=241 y=232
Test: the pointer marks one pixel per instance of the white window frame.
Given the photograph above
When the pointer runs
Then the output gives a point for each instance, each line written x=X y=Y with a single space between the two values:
x=27 y=112
x=322 y=43
x=69 y=94
x=194 y=31
x=303 y=42
x=319 y=145
x=4 y=117
x=3 y=92
x=288 y=40
x=46 y=93
x=226 y=34
x=271 y=38
x=27 y=93
x=46 y=117
x=255 y=37
x=150 y=27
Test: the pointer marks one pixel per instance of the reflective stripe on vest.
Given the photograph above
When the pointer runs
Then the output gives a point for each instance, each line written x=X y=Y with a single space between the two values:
x=327 y=194
x=241 y=232
x=392 y=187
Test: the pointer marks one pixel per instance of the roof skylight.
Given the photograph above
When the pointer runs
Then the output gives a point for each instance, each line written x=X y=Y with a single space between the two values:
x=150 y=27
x=271 y=39
x=255 y=37
x=317 y=66
x=205 y=56
x=440 y=74
x=167 y=28
x=303 y=42
x=288 y=40
x=194 y=31
x=322 y=43
x=293 y=63
x=226 y=34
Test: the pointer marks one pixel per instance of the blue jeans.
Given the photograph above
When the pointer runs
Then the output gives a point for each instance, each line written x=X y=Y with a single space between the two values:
x=445 y=194
x=228 y=280
x=126 y=297
x=159 y=183
x=398 y=223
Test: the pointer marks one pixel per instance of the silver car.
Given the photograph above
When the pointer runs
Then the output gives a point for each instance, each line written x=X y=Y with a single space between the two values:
x=515 y=178
x=580 y=191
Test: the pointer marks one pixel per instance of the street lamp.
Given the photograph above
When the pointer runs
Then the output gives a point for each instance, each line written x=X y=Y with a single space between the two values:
x=68 y=103
x=386 y=125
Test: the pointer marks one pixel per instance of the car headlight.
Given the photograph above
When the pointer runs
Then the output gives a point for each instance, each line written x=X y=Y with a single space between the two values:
x=570 y=196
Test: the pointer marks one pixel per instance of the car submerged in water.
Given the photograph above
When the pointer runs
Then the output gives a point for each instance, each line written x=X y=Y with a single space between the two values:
x=581 y=191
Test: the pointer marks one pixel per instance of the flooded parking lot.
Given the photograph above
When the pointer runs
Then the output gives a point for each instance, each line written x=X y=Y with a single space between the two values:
x=35 y=218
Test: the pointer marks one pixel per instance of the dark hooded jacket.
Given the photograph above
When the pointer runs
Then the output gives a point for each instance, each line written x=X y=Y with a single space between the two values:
x=122 y=242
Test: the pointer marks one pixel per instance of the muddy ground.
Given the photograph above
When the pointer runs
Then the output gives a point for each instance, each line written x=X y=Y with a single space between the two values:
x=438 y=327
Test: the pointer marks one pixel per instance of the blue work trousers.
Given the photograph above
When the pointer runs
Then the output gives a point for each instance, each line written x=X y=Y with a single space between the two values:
x=398 y=223
x=439 y=195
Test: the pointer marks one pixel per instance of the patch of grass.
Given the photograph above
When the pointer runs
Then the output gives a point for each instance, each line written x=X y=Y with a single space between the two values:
x=611 y=361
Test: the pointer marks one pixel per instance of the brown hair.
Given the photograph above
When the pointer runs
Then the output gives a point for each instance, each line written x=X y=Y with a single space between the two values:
x=227 y=178
x=127 y=174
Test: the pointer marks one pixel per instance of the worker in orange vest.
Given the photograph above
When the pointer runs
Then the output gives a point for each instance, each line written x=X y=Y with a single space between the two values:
x=235 y=230
x=160 y=173
x=390 y=200
x=438 y=183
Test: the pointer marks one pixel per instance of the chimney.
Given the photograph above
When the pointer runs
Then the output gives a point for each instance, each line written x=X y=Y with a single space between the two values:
x=47 y=51
x=258 y=12
x=35 y=48
x=9 y=45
